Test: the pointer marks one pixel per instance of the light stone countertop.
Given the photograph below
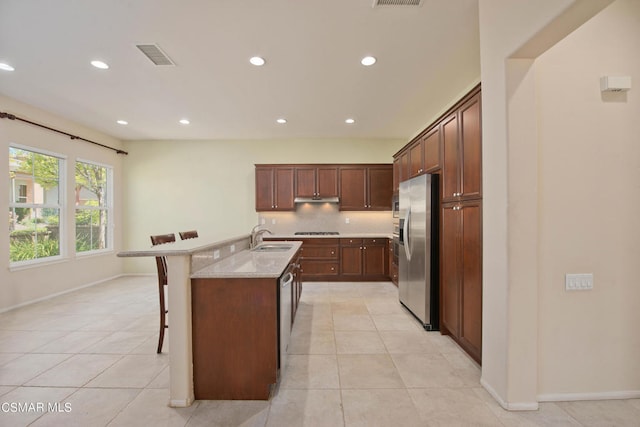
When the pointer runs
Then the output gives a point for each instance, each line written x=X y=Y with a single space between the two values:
x=330 y=236
x=251 y=264
x=177 y=248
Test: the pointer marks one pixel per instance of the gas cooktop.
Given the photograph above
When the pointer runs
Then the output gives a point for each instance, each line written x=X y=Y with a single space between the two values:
x=316 y=233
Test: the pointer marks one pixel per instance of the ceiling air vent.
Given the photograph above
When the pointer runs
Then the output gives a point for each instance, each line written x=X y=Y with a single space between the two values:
x=378 y=3
x=155 y=54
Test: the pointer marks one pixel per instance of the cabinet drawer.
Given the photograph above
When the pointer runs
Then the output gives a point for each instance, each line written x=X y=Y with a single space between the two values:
x=376 y=241
x=349 y=241
x=319 y=268
x=330 y=252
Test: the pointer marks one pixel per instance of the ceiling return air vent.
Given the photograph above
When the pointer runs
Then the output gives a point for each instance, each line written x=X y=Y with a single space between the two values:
x=379 y=3
x=155 y=54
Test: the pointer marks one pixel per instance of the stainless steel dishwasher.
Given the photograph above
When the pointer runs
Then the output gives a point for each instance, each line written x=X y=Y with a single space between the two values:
x=286 y=307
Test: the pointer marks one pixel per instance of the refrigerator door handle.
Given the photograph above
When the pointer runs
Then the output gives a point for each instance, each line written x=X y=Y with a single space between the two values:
x=407 y=238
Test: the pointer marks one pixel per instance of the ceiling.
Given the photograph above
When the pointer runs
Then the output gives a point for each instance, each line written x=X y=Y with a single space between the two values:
x=427 y=56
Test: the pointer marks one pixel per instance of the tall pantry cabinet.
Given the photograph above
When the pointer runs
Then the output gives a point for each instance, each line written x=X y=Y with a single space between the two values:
x=452 y=147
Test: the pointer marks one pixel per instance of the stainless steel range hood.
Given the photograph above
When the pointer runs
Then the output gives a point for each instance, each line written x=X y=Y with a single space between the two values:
x=316 y=200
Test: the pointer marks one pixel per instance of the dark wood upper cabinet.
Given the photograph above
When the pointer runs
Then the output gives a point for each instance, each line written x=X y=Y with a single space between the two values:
x=360 y=187
x=405 y=168
x=380 y=187
x=321 y=181
x=416 y=156
x=450 y=158
x=264 y=189
x=471 y=141
x=353 y=188
x=396 y=174
x=305 y=182
x=366 y=187
x=274 y=188
x=462 y=152
x=431 y=148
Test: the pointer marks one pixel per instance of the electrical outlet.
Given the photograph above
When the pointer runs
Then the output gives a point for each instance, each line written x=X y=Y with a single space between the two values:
x=347 y=220
x=232 y=248
x=216 y=254
x=273 y=221
x=263 y=221
x=578 y=282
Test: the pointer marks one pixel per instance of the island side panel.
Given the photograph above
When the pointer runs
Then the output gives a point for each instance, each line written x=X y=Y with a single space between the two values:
x=235 y=338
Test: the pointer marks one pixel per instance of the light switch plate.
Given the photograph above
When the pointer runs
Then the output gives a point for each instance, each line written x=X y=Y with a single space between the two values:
x=216 y=254
x=232 y=248
x=578 y=282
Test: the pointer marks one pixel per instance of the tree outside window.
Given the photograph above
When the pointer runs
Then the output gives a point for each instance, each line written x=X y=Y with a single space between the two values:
x=92 y=187
x=34 y=205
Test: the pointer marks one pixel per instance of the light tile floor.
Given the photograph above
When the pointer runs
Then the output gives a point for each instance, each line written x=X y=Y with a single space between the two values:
x=357 y=358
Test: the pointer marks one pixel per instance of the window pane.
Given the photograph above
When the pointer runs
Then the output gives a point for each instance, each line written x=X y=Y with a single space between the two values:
x=91 y=229
x=92 y=206
x=34 y=233
x=34 y=230
x=45 y=172
x=91 y=184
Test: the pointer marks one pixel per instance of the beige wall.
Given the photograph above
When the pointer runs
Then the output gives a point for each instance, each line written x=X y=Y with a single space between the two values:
x=31 y=283
x=209 y=185
x=589 y=205
x=548 y=137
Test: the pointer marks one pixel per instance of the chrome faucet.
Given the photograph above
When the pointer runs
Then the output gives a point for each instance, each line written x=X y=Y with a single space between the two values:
x=255 y=234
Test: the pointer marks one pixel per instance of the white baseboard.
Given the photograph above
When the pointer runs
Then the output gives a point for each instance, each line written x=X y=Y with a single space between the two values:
x=604 y=395
x=180 y=403
x=509 y=406
x=33 y=301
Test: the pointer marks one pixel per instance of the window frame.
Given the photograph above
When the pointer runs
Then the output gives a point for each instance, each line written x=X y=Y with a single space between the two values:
x=61 y=206
x=108 y=208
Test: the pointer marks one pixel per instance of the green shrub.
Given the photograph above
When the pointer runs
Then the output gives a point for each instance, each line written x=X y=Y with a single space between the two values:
x=23 y=250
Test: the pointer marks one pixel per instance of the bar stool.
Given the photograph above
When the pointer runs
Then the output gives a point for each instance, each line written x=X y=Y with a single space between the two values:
x=192 y=234
x=161 y=263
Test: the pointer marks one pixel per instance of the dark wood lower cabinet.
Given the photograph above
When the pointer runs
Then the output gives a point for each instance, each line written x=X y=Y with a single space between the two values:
x=343 y=259
x=461 y=275
x=235 y=338
x=319 y=259
x=364 y=259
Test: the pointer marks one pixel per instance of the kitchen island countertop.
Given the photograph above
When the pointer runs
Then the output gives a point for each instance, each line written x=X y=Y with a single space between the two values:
x=291 y=236
x=250 y=264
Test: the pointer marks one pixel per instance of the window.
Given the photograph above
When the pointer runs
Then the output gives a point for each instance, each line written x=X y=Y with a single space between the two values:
x=35 y=205
x=93 y=206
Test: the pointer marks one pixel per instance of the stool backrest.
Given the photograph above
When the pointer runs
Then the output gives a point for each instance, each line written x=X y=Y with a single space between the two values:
x=191 y=234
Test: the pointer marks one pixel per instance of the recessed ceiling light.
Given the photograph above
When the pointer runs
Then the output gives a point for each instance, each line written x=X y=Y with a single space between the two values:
x=122 y=122
x=257 y=61
x=368 y=60
x=184 y=121
x=282 y=121
x=100 y=64
x=6 y=67
x=349 y=121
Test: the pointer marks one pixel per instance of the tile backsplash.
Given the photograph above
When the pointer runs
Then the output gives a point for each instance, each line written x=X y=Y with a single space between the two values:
x=326 y=217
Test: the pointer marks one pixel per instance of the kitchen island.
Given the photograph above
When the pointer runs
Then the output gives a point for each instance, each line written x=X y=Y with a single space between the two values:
x=203 y=276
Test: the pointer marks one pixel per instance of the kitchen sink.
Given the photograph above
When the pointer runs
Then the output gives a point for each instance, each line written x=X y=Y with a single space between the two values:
x=272 y=247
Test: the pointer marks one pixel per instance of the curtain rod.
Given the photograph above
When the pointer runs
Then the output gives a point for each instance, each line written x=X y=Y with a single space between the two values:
x=13 y=117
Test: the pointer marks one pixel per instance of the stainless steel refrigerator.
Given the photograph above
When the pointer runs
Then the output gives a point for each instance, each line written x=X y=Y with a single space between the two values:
x=418 y=263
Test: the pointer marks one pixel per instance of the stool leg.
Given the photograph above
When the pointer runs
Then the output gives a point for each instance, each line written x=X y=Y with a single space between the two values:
x=163 y=324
